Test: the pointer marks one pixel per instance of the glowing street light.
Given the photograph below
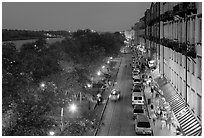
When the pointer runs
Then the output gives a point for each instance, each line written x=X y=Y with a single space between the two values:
x=89 y=85
x=42 y=85
x=108 y=61
x=52 y=133
x=103 y=67
x=98 y=73
x=73 y=107
x=111 y=58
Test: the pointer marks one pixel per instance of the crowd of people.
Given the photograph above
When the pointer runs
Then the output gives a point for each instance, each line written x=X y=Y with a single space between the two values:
x=160 y=108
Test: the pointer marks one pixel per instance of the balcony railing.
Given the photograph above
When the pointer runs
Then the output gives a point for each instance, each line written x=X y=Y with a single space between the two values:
x=191 y=8
x=167 y=16
x=191 y=51
x=185 y=8
x=184 y=48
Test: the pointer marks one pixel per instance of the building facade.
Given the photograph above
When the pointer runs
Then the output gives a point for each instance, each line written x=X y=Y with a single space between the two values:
x=174 y=29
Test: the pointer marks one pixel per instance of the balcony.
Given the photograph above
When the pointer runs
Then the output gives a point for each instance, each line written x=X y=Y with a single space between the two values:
x=185 y=8
x=188 y=50
x=167 y=16
x=199 y=49
x=191 y=52
x=191 y=8
x=153 y=21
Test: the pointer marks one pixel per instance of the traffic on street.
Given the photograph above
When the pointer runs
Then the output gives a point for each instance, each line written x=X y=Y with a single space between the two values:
x=135 y=106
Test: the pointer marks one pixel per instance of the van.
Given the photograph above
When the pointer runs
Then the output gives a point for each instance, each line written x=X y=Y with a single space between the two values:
x=142 y=125
x=137 y=98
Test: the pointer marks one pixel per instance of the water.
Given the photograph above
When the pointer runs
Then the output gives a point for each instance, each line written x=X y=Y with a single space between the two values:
x=19 y=43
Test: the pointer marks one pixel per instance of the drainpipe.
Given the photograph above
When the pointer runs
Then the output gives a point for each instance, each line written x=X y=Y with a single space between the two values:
x=163 y=49
x=186 y=58
x=159 y=37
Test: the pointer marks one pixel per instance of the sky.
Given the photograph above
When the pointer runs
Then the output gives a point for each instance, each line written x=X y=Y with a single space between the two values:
x=71 y=16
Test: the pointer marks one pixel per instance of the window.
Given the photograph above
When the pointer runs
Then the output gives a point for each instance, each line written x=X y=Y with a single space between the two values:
x=193 y=67
x=181 y=86
x=200 y=30
x=199 y=106
x=193 y=99
x=173 y=55
x=184 y=61
x=188 y=64
x=193 y=31
x=199 y=67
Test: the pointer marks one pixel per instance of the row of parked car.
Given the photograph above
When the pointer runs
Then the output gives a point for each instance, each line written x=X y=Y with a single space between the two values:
x=142 y=122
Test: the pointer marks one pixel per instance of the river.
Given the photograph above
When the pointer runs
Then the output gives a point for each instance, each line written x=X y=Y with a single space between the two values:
x=19 y=43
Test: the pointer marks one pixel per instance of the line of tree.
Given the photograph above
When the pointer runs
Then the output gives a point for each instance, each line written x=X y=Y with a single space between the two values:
x=65 y=67
x=12 y=35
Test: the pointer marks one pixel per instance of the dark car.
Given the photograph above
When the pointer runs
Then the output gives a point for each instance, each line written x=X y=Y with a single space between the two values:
x=137 y=88
x=138 y=109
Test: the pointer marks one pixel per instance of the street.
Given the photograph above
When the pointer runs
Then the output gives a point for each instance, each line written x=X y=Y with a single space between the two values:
x=117 y=119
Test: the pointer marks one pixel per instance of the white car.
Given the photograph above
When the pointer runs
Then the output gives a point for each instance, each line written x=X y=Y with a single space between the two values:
x=114 y=95
x=142 y=125
x=152 y=64
x=137 y=98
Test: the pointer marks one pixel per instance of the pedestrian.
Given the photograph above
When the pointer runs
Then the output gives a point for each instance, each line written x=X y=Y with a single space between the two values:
x=154 y=118
x=158 y=113
x=168 y=122
x=162 y=123
x=161 y=113
x=152 y=106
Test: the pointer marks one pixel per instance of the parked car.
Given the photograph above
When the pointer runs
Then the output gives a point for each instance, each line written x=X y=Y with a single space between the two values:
x=152 y=64
x=138 y=109
x=142 y=125
x=137 y=81
x=114 y=95
x=137 y=88
x=137 y=98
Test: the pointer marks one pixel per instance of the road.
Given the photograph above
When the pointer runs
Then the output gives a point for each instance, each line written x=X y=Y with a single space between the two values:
x=117 y=119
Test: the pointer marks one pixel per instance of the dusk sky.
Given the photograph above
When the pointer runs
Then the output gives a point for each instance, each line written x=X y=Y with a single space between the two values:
x=99 y=16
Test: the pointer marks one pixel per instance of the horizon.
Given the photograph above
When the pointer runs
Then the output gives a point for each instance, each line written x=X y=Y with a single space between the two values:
x=72 y=16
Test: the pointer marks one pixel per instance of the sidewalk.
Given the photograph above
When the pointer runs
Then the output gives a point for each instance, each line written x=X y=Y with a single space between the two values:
x=189 y=124
x=158 y=128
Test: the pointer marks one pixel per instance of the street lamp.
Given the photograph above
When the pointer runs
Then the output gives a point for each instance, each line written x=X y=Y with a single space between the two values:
x=52 y=133
x=103 y=67
x=89 y=85
x=108 y=61
x=99 y=73
x=42 y=85
x=111 y=58
x=72 y=108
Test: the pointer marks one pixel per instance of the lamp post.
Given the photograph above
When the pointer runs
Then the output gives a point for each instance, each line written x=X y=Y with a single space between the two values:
x=72 y=108
x=62 y=114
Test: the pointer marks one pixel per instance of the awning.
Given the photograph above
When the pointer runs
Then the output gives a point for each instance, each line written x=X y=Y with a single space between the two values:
x=188 y=122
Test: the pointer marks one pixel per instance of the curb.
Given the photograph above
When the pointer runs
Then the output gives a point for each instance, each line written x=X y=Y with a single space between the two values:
x=96 y=131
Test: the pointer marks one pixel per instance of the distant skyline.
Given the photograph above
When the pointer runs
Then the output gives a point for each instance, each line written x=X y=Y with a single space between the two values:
x=71 y=16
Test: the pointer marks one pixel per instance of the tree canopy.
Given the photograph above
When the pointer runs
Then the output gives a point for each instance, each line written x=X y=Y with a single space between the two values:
x=65 y=67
